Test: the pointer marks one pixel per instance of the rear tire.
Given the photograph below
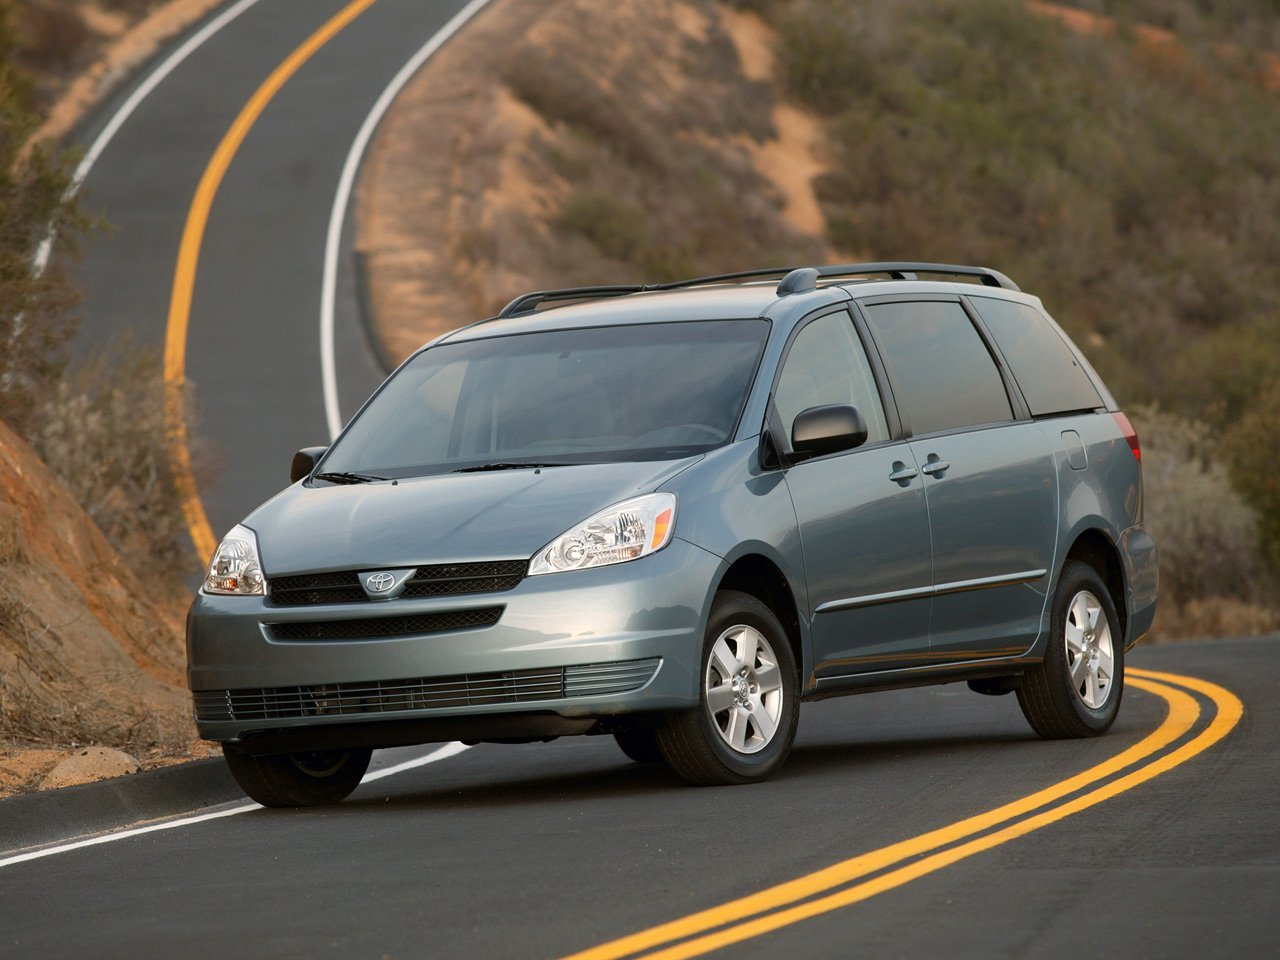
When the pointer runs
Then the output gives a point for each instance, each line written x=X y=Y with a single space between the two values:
x=298 y=779
x=749 y=699
x=1076 y=690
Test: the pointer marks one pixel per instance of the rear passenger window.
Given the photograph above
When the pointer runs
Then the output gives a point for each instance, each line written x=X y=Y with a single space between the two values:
x=1048 y=373
x=826 y=364
x=943 y=374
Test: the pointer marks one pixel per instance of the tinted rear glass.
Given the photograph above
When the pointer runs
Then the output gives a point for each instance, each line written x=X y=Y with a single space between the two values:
x=943 y=374
x=645 y=392
x=1048 y=373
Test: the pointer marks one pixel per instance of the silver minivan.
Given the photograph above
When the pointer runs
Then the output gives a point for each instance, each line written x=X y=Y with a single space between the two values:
x=670 y=513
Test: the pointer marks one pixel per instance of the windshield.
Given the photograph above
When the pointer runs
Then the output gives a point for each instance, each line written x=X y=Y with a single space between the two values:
x=647 y=392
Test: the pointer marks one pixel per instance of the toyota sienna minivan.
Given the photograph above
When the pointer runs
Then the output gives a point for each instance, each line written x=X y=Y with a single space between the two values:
x=669 y=514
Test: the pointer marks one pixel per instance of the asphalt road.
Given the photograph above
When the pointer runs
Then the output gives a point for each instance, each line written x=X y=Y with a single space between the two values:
x=545 y=850
x=541 y=851
x=252 y=348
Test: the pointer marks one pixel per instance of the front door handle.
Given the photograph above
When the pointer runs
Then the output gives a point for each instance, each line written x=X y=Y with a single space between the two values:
x=935 y=466
x=902 y=474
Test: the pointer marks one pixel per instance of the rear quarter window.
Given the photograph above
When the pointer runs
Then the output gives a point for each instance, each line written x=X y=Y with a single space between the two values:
x=1046 y=369
x=943 y=375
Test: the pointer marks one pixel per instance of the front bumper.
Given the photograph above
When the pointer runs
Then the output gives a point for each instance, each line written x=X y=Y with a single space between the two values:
x=567 y=648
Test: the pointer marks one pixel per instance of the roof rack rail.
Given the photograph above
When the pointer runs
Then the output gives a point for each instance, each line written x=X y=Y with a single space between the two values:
x=794 y=280
x=803 y=279
x=529 y=302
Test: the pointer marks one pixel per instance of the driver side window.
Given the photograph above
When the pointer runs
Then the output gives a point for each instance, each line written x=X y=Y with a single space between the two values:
x=826 y=364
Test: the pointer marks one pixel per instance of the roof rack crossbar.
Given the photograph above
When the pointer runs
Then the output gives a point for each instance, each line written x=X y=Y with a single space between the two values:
x=806 y=278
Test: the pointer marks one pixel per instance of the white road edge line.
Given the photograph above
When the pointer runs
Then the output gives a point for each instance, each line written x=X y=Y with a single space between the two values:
x=444 y=753
x=337 y=215
x=121 y=116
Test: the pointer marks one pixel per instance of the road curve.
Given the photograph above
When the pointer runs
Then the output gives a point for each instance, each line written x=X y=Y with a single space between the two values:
x=252 y=338
x=549 y=850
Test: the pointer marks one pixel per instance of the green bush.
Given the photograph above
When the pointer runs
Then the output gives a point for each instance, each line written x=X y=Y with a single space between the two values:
x=1140 y=203
x=1252 y=447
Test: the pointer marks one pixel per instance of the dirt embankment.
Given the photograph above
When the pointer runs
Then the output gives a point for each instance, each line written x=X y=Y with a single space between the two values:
x=558 y=142
x=87 y=654
x=91 y=655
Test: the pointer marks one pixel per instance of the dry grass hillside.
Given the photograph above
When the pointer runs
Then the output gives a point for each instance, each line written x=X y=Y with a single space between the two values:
x=87 y=653
x=568 y=141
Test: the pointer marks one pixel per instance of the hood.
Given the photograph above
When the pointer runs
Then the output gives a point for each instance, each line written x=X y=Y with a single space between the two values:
x=450 y=518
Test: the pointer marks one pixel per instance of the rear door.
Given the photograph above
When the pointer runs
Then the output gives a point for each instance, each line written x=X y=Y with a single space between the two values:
x=988 y=472
x=863 y=526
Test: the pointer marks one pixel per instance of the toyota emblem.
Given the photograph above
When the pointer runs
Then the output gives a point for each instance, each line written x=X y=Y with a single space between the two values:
x=381 y=582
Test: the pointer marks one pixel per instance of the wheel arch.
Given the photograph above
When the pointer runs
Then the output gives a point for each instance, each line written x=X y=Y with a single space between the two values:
x=763 y=579
x=1094 y=548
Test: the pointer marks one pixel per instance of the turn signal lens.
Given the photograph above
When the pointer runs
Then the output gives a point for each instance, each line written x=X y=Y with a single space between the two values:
x=235 y=568
x=625 y=531
x=661 y=529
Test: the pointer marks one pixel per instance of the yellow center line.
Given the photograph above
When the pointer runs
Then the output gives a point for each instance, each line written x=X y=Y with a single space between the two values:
x=1183 y=713
x=184 y=278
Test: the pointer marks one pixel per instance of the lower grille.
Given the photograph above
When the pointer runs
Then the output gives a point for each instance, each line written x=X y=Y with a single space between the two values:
x=423 y=693
x=407 y=626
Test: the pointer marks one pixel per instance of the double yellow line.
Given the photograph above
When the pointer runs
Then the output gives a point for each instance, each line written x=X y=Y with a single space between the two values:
x=892 y=866
x=184 y=278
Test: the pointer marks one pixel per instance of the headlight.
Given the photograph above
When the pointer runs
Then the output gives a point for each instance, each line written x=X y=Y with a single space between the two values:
x=625 y=531
x=235 y=568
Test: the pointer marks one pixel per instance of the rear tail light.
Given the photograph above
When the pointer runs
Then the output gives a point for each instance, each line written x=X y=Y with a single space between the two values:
x=1130 y=435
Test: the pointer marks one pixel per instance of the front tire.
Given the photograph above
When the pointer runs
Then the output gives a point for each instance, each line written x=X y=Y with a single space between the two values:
x=298 y=779
x=1076 y=690
x=749 y=702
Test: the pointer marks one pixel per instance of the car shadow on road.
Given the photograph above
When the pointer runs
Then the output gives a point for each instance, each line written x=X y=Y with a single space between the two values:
x=578 y=777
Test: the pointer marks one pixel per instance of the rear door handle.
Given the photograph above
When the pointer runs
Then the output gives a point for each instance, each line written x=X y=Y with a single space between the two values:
x=935 y=466
x=902 y=474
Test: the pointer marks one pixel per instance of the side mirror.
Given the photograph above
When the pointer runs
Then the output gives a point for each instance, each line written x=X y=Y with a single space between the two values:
x=304 y=461
x=827 y=429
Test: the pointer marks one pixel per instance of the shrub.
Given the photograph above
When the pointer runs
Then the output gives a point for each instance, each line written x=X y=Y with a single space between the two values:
x=1252 y=447
x=103 y=432
x=1206 y=532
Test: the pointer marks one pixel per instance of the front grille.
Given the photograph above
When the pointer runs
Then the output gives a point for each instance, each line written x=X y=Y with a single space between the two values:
x=454 y=578
x=423 y=693
x=437 y=580
x=315 y=588
x=406 y=626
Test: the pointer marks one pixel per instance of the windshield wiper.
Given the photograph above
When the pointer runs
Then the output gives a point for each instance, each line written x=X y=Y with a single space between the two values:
x=346 y=477
x=506 y=465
